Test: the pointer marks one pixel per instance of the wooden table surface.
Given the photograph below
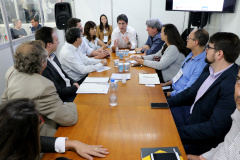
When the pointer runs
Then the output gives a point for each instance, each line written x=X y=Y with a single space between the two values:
x=125 y=128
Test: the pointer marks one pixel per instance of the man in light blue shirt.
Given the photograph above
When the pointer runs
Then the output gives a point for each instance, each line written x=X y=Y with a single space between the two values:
x=193 y=64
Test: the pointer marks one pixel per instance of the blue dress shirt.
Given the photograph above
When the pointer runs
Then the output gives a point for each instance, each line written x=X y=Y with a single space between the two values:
x=191 y=68
x=155 y=44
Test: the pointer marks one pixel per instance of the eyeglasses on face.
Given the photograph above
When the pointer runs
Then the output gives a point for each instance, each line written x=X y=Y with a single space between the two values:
x=207 y=47
x=190 y=38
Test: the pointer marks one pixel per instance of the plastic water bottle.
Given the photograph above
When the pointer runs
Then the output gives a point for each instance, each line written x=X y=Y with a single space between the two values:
x=113 y=92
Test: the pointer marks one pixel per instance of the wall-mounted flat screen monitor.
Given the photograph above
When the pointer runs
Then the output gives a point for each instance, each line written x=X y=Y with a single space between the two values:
x=226 y=6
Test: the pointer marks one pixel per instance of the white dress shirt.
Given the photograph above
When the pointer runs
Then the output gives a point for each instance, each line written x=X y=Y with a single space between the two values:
x=50 y=59
x=85 y=49
x=60 y=144
x=130 y=32
x=92 y=45
x=75 y=63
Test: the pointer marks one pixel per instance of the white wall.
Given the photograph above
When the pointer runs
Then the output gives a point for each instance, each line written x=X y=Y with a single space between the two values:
x=6 y=62
x=138 y=11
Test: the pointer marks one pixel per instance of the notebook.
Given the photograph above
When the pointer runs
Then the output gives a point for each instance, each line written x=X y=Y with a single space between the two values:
x=146 y=152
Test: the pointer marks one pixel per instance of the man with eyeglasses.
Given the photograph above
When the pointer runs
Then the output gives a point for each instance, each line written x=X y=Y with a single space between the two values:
x=193 y=64
x=211 y=97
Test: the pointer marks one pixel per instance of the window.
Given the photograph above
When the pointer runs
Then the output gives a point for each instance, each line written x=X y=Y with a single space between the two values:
x=3 y=34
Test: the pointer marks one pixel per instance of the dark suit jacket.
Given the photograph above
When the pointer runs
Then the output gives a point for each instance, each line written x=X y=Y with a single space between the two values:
x=211 y=116
x=47 y=144
x=52 y=74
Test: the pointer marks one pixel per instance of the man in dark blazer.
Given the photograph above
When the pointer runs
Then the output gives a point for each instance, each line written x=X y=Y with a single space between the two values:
x=66 y=87
x=211 y=97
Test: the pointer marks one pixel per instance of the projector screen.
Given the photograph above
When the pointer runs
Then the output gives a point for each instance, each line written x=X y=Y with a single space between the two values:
x=227 y=6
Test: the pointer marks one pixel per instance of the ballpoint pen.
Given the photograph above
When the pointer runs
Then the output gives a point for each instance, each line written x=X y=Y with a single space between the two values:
x=176 y=153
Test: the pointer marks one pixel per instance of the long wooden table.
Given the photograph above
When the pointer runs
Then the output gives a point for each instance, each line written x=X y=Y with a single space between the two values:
x=126 y=128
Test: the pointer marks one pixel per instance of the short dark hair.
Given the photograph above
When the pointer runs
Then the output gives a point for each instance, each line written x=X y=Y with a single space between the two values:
x=72 y=22
x=19 y=127
x=122 y=17
x=87 y=27
x=30 y=56
x=44 y=34
x=202 y=36
x=35 y=19
x=229 y=43
x=72 y=34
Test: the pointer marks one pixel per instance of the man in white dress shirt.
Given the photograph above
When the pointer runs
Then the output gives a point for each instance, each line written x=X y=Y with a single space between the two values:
x=123 y=36
x=74 y=62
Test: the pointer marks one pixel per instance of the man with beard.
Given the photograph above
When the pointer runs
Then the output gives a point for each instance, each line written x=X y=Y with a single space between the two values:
x=230 y=148
x=211 y=97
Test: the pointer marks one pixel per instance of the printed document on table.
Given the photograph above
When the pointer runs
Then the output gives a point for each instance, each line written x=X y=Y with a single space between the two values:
x=104 y=68
x=96 y=80
x=148 y=78
x=97 y=88
x=132 y=52
x=119 y=76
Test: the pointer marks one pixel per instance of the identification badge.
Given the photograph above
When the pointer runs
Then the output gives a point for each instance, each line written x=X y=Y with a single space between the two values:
x=105 y=39
x=178 y=75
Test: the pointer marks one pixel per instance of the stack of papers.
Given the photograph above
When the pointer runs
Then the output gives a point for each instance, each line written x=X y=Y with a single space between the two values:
x=148 y=78
x=95 y=85
x=119 y=76
x=96 y=80
x=104 y=68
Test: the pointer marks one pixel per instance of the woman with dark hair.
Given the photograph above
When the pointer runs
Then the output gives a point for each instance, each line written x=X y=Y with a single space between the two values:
x=17 y=31
x=104 y=30
x=169 y=59
x=19 y=135
x=19 y=130
x=90 y=37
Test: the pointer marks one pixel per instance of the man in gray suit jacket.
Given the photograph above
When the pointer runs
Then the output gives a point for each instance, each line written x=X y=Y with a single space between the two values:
x=24 y=80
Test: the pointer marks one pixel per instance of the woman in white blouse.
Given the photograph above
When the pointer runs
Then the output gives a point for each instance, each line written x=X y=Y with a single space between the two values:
x=90 y=36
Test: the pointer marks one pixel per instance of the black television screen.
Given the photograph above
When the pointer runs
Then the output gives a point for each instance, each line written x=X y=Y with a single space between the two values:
x=226 y=6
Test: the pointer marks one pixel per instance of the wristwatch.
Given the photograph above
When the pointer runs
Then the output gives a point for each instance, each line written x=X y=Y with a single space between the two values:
x=143 y=50
x=128 y=43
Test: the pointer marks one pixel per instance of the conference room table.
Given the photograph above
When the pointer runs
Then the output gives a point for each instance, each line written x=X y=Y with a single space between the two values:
x=125 y=128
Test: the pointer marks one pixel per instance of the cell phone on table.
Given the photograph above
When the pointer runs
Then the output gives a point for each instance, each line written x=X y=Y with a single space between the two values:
x=159 y=105
x=136 y=65
x=138 y=52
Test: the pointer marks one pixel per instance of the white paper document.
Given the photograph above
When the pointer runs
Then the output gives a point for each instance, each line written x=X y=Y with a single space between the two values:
x=104 y=68
x=99 y=88
x=96 y=80
x=148 y=78
x=119 y=76
x=133 y=61
x=132 y=52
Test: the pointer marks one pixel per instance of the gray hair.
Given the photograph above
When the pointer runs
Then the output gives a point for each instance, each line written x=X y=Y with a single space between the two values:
x=154 y=23
x=30 y=56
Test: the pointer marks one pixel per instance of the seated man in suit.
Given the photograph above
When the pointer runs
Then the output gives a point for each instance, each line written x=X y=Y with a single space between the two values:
x=193 y=64
x=75 y=22
x=123 y=36
x=230 y=148
x=211 y=97
x=24 y=80
x=154 y=42
x=66 y=87
x=74 y=62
